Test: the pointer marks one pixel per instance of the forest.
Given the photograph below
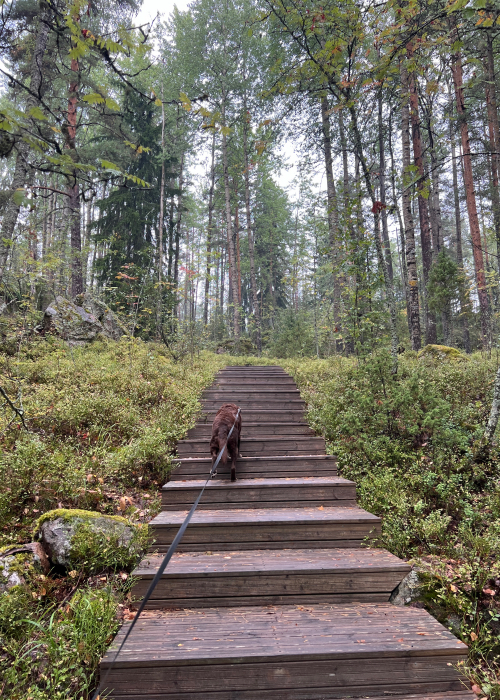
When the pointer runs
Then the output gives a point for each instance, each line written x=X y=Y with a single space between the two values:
x=276 y=177
x=306 y=183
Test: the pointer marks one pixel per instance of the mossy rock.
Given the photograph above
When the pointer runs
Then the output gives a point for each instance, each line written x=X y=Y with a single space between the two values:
x=87 y=541
x=441 y=353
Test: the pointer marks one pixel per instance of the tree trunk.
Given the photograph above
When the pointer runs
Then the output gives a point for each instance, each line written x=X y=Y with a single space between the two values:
x=389 y=290
x=229 y=229
x=73 y=188
x=333 y=216
x=160 y=223
x=407 y=232
x=250 y=236
x=456 y=69
x=423 y=210
x=494 y=136
x=209 y=230
x=22 y=172
x=383 y=212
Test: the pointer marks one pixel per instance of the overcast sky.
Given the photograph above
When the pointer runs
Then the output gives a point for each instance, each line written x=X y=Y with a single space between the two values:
x=150 y=8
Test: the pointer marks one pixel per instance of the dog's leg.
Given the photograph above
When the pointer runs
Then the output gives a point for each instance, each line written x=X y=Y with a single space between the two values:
x=233 y=466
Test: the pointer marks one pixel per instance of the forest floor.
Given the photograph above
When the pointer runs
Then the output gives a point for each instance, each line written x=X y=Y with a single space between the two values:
x=102 y=425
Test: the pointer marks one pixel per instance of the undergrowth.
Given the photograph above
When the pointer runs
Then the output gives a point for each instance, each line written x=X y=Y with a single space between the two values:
x=102 y=424
x=409 y=443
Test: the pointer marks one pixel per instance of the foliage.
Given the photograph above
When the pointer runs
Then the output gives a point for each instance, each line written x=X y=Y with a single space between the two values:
x=407 y=442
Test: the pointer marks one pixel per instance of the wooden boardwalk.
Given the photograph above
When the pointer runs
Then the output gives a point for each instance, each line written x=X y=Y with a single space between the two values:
x=273 y=595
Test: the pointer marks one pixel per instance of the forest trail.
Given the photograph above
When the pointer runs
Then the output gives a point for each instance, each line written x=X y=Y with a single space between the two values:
x=272 y=594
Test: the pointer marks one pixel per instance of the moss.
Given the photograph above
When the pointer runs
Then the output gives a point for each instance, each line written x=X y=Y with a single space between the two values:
x=67 y=514
x=441 y=352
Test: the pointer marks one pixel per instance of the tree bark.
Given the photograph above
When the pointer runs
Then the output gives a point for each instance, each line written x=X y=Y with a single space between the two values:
x=423 y=210
x=494 y=136
x=229 y=228
x=160 y=223
x=250 y=236
x=456 y=69
x=22 y=172
x=74 y=187
x=381 y=176
x=209 y=230
x=333 y=216
x=389 y=290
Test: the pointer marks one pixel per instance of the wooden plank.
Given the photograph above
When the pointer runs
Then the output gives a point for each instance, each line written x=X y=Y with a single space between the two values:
x=271 y=577
x=256 y=430
x=263 y=493
x=262 y=415
x=260 y=444
x=426 y=693
x=270 y=528
x=333 y=561
x=261 y=634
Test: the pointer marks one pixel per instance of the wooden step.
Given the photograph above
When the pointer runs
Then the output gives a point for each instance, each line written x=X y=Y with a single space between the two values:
x=285 y=653
x=204 y=430
x=267 y=528
x=252 y=392
x=270 y=577
x=259 y=446
x=260 y=493
x=237 y=396
x=253 y=381
x=258 y=467
x=257 y=405
x=253 y=415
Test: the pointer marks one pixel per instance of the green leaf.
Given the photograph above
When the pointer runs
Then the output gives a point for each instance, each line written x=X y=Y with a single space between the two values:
x=112 y=104
x=93 y=98
x=19 y=197
x=37 y=113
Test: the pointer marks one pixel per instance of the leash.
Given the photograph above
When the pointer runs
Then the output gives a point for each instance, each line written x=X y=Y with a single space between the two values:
x=168 y=556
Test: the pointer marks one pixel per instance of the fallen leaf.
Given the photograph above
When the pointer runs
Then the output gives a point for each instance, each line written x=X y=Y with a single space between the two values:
x=453 y=588
x=401 y=640
x=488 y=591
x=123 y=576
x=73 y=574
x=473 y=636
x=476 y=689
x=321 y=508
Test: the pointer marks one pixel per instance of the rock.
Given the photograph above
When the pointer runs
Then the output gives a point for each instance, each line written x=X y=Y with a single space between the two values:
x=17 y=560
x=82 y=539
x=113 y=327
x=442 y=353
x=454 y=623
x=79 y=325
x=409 y=589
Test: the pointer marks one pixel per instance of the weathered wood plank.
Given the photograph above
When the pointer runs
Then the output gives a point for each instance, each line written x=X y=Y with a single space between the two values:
x=263 y=493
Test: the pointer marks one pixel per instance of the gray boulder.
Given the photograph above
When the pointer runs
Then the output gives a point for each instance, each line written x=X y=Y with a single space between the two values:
x=409 y=590
x=17 y=561
x=85 y=539
x=81 y=324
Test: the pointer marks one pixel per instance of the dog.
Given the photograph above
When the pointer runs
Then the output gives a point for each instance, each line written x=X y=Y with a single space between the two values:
x=223 y=422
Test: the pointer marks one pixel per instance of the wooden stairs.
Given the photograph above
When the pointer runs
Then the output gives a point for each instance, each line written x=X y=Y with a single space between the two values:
x=273 y=594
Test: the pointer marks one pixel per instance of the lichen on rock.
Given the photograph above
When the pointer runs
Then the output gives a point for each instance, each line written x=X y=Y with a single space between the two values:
x=441 y=353
x=82 y=321
x=409 y=590
x=90 y=541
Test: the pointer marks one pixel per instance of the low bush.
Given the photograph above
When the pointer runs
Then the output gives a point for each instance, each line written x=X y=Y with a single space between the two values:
x=409 y=441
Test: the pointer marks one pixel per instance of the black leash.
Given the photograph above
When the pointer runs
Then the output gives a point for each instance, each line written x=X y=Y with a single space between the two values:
x=167 y=558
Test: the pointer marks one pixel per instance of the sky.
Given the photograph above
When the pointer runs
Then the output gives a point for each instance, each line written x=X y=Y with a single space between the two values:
x=150 y=8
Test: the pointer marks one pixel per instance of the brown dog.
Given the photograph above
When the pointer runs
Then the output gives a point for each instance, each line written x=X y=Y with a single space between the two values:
x=223 y=422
